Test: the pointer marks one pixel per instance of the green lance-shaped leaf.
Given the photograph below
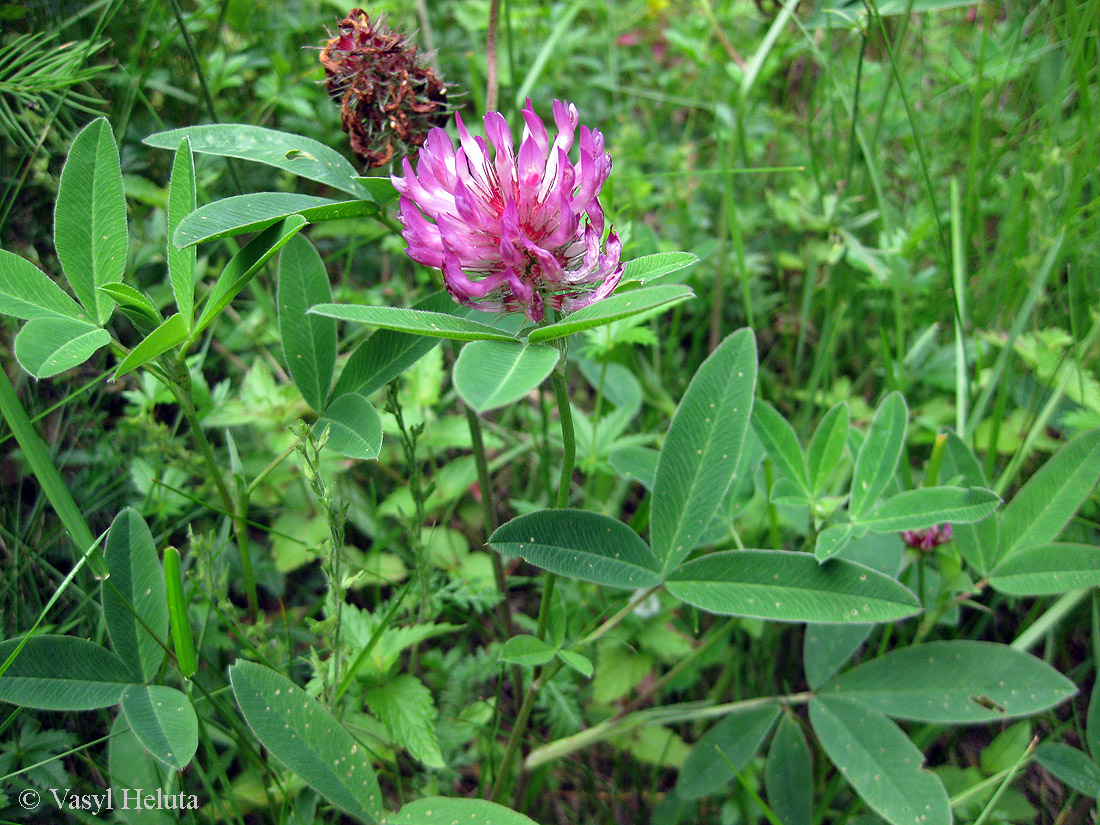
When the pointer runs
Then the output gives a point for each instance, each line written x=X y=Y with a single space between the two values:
x=738 y=736
x=827 y=647
x=131 y=766
x=243 y=267
x=413 y=321
x=790 y=587
x=925 y=506
x=702 y=448
x=27 y=292
x=527 y=650
x=879 y=761
x=955 y=683
x=405 y=707
x=615 y=308
x=133 y=303
x=1048 y=569
x=580 y=544
x=827 y=446
x=788 y=774
x=1070 y=765
x=832 y=540
x=181 y=203
x=355 y=430
x=136 y=579
x=437 y=810
x=47 y=346
x=1041 y=509
x=780 y=443
x=380 y=189
x=301 y=733
x=309 y=341
x=651 y=267
x=171 y=333
x=164 y=721
x=90 y=218
x=976 y=542
x=878 y=456
x=257 y=211
x=62 y=673
x=178 y=620
x=493 y=374
x=304 y=157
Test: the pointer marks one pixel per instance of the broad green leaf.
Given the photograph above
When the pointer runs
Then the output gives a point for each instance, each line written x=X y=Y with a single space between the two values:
x=827 y=446
x=636 y=463
x=580 y=663
x=736 y=738
x=651 y=267
x=257 y=211
x=1048 y=569
x=1070 y=765
x=131 y=299
x=131 y=767
x=62 y=673
x=304 y=157
x=136 y=579
x=385 y=354
x=926 y=506
x=878 y=456
x=526 y=650
x=827 y=647
x=181 y=203
x=309 y=341
x=380 y=189
x=702 y=448
x=406 y=708
x=879 y=761
x=436 y=810
x=788 y=492
x=164 y=722
x=493 y=374
x=580 y=544
x=355 y=430
x=90 y=218
x=780 y=443
x=416 y=322
x=1092 y=722
x=244 y=266
x=171 y=333
x=790 y=587
x=1039 y=511
x=47 y=346
x=832 y=540
x=301 y=734
x=955 y=683
x=27 y=292
x=788 y=774
x=976 y=542
x=611 y=309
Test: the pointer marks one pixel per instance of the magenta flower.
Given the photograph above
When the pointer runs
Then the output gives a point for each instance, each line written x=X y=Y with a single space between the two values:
x=927 y=539
x=506 y=231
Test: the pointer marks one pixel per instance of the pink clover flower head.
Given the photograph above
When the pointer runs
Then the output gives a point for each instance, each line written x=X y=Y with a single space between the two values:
x=928 y=538
x=506 y=228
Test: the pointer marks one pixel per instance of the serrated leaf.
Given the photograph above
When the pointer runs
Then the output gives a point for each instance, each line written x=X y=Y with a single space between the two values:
x=304 y=157
x=926 y=506
x=355 y=429
x=181 y=203
x=1070 y=765
x=526 y=650
x=309 y=341
x=171 y=333
x=702 y=448
x=788 y=774
x=489 y=375
x=255 y=212
x=879 y=761
x=780 y=443
x=90 y=218
x=406 y=708
x=1043 y=506
x=611 y=309
x=435 y=810
x=651 y=267
x=62 y=673
x=580 y=544
x=27 y=292
x=137 y=579
x=790 y=587
x=47 y=346
x=957 y=682
x=827 y=446
x=414 y=321
x=735 y=739
x=878 y=455
x=1047 y=570
x=164 y=721
x=301 y=734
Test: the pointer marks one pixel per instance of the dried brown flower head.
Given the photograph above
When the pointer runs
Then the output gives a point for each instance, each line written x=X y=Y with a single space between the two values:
x=388 y=101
